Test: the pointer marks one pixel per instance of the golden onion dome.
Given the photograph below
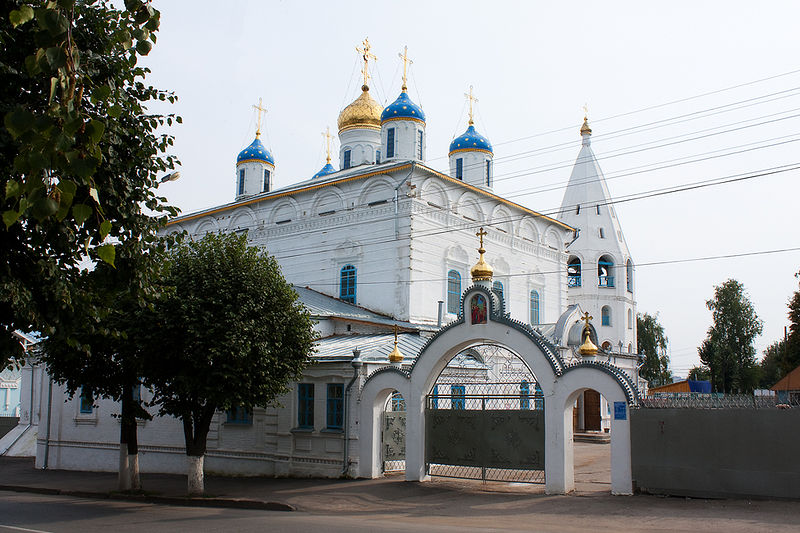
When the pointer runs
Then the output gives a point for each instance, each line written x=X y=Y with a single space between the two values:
x=482 y=271
x=585 y=129
x=395 y=356
x=363 y=113
x=588 y=347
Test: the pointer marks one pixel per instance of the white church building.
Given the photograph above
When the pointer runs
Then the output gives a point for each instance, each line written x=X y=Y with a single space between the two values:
x=380 y=248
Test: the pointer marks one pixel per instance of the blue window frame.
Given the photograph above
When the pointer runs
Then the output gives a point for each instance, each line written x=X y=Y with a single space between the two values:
x=87 y=402
x=538 y=398
x=497 y=286
x=390 y=143
x=605 y=314
x=265 y=188
x=335 y=404
x=305 y=405
x=605 y=269
x=378 y=157
x=574 y=272
x=524 y=395
x=398 y=402
x=460 y=168
x=457 y=397
x=629 y=275
x=488 y=173
x=534 y=307
x=239 y=415
x=435 y=397
x=453 y=291
x=241 y=181
x=347 y=284
x=419 y=148
x=346 y=163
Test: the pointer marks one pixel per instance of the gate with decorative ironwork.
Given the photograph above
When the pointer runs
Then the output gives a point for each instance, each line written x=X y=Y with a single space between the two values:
x=487 y=431
x=393 y=435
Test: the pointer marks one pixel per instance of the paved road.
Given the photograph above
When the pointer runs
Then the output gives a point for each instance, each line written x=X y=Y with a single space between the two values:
x=44 y=513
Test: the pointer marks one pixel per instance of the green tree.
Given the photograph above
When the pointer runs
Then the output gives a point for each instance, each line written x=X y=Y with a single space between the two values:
x=728 y=349
x=231 y=335
x=771 y=365
x=699 y=373
x=652 y=343
x=792 y=359
x=101 y=353
x=79 y=153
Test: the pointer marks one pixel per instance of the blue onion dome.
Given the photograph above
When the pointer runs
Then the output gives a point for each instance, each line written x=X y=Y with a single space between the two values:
x=471 y=141
x=327 y=169
x=255 y=152
x=403 y=109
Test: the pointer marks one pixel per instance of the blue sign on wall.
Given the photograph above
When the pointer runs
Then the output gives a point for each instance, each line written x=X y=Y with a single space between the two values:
x=620 y=411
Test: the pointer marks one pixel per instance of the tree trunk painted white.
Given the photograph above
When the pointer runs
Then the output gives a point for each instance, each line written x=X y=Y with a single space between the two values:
x=124 y=478
x=133 y=467
x=195 y=474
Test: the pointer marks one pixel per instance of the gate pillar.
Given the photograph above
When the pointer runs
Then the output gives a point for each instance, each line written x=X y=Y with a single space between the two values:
x=415 y=436
x=558 y=465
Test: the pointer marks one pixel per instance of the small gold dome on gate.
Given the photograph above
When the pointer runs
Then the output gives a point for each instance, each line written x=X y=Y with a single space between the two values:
x=363 y=113
x=585 y=129
x=588 y=347
x=482 y=271
x=395 y=356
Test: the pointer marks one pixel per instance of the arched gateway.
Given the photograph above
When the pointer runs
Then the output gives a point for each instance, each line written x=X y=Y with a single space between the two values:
x=482 y=320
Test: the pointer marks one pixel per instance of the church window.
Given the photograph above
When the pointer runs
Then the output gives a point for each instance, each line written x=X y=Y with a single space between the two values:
x=241 y=182
x=629 y=275
x=488 y=173
x=390 y=143
x=534 y=304
x=630 y=319
x=478 y=309
x=239 y=415
x=419 y=148
x=87 y=402
x=435 y=397
x=377 y=157
x=137 y=393
x=598 y=208
x=457 y=397
x=605 y=315
x=578 y=209
x=460 y=168
x=602 y=233
x=335 y=411
x=497 y=287
x=266 y=181
x=605 y=268
x=524 y=395
x=574 y=272
x=538 y=397
x=346 y=159
x=453 y=291
x=397 y=403
x=347 y=284
x=606 y=347
x=305 y=405
x=630 y=347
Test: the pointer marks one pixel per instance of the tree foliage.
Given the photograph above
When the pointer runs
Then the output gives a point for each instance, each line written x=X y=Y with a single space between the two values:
x=783 y=356
x=652 y=343
x=699 y=373
x=79 y=152
x=728 y=349
x=230 y=334
x=771 y=365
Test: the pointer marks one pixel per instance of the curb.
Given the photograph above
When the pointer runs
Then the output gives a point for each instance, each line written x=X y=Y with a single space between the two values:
x=232 y=503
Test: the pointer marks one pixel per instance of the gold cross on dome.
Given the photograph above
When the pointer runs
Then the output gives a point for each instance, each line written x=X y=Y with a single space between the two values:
x=481 y=234
x=328 y=137
x=472 y=100
x=585 y=111
x=366 y=55
x=586 y=318
x=259 y=109
x=406 y=62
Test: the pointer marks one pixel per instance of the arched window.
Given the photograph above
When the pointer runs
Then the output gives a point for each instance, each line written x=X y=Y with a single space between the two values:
x=629 y=275
x=630 y=348
x=630 y=319
x=389 y=143
x=605 y=315
x=240 y=189
x=534 y=307
x=497 y=286
x=347 y=284
x=524 y=395
x=453 y=291
x=574 y=272
x=605 y=272
x=606 y=347
x=347 y=155
x=488 y=173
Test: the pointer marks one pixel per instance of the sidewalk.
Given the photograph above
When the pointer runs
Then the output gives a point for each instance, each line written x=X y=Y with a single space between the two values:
x=460 y=500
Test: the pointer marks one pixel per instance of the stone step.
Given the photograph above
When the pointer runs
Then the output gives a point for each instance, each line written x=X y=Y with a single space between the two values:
x=592 y=436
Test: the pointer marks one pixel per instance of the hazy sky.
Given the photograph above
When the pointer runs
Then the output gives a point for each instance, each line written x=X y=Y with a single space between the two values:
x=533 y=65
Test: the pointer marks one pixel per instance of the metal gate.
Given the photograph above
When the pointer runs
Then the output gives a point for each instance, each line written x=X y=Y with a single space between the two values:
x=393 y=436
x=487 y=431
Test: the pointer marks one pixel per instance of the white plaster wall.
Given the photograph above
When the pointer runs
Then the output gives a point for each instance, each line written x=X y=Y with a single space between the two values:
x=362 y=144
x=406 y=140
x=474 y=167
x=253 y=178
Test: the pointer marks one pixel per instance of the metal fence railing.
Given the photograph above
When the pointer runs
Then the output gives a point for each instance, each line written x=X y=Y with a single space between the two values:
x=716 y=401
